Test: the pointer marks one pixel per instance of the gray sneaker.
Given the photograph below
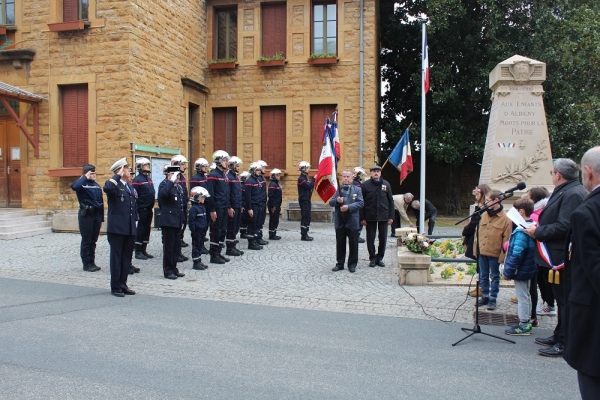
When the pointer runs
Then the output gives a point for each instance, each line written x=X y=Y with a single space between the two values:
x=491 y=305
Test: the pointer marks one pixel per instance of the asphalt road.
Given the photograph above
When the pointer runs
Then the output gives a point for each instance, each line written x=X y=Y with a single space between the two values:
x=71 y=342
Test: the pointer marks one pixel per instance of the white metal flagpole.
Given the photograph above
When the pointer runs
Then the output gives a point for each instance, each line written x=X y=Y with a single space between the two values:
x=423 y=78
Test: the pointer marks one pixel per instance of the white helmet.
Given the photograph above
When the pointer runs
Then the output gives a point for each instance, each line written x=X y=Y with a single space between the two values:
x=178 y=160
x=357 y=172
x=140 y=162
x=275 y=172
x=253 y=167
x=244 y=175
x=198 y=192
x=303 y=166
x=201 y=162
x=233 y=161
x=220 y=156
x=263 y=164
x=165 y=169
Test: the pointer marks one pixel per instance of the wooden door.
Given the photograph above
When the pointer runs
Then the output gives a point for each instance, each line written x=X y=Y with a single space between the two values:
x=10 y=165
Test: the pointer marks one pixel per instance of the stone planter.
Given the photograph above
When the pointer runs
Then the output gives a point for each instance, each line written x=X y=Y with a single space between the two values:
x=225 y=65
x=323 y=61
x=271 y=63
x=413 y=268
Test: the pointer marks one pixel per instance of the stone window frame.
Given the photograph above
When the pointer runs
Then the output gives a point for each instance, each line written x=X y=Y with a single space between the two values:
x=57 y=23
x=227 y=55
x=326 y=34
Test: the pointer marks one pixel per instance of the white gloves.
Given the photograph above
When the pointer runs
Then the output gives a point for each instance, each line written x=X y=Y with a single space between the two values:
x=174 y=177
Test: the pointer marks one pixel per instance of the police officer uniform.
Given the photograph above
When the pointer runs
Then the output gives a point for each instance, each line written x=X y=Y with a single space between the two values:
x=244 y=219
x=121 y=228
x=171 y=222
x=144 y=187
x=91 y=216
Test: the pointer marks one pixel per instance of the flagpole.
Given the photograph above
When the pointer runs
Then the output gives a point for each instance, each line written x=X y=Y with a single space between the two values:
x=422 y=185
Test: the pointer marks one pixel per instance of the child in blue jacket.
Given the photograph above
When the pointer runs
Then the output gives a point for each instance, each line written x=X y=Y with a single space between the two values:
x=520 y=266
x=198 y=224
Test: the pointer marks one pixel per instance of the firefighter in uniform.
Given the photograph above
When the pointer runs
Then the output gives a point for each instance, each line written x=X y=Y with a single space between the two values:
x=244 y=221
x=171 y=221
x=91 y=215
x=181 y=161
x=263 y=208
x=218 y=206
x=305 y=188
x=235 y=197
x=198 y=224
x=274 y=203
x=146 y=194
x=121 y=226
x=253 y=201
x=357 y=174
x=200 y=179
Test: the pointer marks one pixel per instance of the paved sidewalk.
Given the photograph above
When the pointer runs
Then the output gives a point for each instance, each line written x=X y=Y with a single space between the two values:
x=286 y=273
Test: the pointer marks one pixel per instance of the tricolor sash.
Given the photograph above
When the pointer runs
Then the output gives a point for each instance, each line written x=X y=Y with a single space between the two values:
x=553 y=274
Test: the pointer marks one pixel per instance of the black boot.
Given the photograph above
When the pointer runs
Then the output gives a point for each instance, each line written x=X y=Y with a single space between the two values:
x=306 y=238
x=183 y=243
x=215 y=259
x=144 y=252
x=232 y=251
x=199 y=266
x=204 y=250
x=252 y=245
x=243 y=233
x=182 y=258
x=138 y=252
x=89 y=267
x=273 y=236
x=135 y=269
x=261 y=241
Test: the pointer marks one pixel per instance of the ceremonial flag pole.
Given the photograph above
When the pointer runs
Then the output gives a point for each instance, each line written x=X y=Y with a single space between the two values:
x=424 y=90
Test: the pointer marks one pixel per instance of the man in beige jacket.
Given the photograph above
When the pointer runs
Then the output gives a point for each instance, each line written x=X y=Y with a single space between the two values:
x=401 y=203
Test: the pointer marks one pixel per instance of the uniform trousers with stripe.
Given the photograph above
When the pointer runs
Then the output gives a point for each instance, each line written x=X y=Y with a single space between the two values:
x=218 y=231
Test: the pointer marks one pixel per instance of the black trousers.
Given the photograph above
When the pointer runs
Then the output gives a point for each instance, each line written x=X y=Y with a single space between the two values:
x=144 y=225
x=171 y=249
x=340 y=247
x=372 y=228
x=589 y=386
x=397 y=223
x=274 y=220
x=89 y=227
x=198 y=238
x=252 y=231
x=233 y=227
x=185 y=212
x=534 y=296
x=121 y=250
x=431 y=224
x=559 y=296
x=305 y=216
x=244 y=221
x=263 y=218
x=218 y=230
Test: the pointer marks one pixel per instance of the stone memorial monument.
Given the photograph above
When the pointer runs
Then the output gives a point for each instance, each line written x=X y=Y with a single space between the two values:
x=517 y=148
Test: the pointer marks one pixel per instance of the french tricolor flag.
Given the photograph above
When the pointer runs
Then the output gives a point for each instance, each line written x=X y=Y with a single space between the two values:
x=425 y=64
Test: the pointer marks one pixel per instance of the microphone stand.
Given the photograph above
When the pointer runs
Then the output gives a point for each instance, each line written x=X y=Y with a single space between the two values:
x=476 y=328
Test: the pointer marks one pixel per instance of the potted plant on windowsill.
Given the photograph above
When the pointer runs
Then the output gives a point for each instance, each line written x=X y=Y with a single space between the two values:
x=222 y=63
x=276 y=60
x=322 y=59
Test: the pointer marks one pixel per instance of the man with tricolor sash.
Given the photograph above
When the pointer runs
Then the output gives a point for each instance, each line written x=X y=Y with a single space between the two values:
x=550 y=235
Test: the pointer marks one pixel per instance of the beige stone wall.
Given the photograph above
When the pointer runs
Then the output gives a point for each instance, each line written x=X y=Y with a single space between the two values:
x=299 y=85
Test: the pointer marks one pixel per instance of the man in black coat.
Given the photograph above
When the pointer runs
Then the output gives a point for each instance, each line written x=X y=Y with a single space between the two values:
x=554 y=224
x=121 y=226
x=582 y=283
x=377 y=213
x=430 y=214
x=144 y=187
x=172 y=217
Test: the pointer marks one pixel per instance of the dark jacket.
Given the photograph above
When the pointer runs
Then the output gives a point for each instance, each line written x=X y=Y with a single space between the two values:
x=275 y=195
x=197 y=221
x=519 y=263
x=235 y=190
x=581 y=280
x=469 y=233
x=218 y=188
x=263 y=186
x=429 y=210
x=379 y=204
x=554 y=221
x=89 y=193
x=305 y=187
x=184 y=189
x=199 y=179
x=348 y=219
x=252 y=192
x=122 y=212
x=171 y=200
x=145 y=190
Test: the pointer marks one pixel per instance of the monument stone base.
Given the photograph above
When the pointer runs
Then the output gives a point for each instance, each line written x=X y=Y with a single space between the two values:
x=413 y=268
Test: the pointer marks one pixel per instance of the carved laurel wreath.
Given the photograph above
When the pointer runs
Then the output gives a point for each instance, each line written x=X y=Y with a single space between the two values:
x=524 y=169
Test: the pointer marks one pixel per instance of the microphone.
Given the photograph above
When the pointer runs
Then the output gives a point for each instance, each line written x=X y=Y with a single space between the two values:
x=520 y=186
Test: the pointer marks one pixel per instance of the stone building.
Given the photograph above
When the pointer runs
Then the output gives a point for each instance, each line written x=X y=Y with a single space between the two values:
x=96 y=80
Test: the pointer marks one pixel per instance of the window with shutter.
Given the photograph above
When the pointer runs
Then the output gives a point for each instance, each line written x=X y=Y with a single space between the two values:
x=225 y=129
x=74 y=104
x=318 y=117
x=75 y=10
x=274 y=20
x=272 y=129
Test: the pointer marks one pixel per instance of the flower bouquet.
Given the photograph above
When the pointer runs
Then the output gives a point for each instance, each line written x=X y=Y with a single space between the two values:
x=416 y=243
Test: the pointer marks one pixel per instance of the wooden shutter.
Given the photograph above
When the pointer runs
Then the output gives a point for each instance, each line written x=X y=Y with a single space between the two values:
x=318 y=116
x=274 y=29
x=225 y=130
x=70 y=10
x=272 y=122
x=75 y=125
